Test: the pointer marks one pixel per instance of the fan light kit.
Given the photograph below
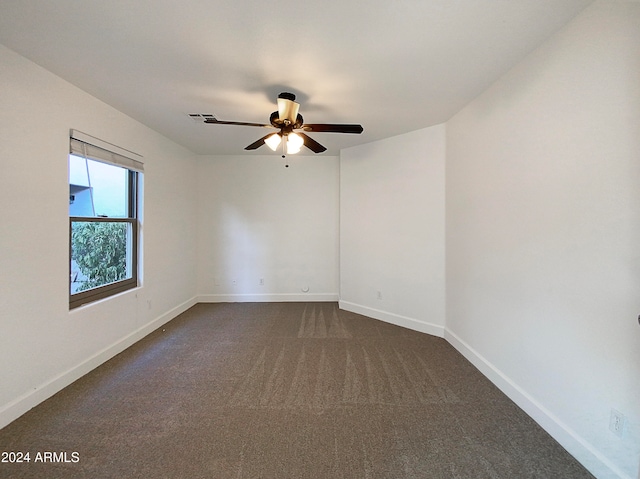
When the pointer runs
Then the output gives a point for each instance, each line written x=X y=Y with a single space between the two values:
x=287 y=119
x=294 y=142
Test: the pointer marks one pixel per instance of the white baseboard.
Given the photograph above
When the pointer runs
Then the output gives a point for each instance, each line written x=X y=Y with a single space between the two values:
x=584 y=452
x=398 y=320
x=16 y=408
x=268 y=298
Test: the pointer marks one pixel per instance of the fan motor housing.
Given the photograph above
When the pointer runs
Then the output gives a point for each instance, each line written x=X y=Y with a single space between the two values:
x=287 y=96
x=274 y=119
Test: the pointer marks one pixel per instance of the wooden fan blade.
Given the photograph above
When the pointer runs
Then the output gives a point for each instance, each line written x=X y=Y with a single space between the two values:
x=312 y=144
x=332 y=128
x=239 y=123
x=258 y=143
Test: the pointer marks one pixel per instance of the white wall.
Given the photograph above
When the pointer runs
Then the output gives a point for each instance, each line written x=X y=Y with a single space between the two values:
x=260 y=220
x=543 y=234
x=392 y=230
x=44 y=346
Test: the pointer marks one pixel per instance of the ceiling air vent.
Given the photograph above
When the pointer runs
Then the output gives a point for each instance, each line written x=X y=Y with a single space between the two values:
x=200 y=116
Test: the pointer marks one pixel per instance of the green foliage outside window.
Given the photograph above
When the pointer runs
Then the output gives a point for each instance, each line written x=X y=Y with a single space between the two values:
x=100 y=251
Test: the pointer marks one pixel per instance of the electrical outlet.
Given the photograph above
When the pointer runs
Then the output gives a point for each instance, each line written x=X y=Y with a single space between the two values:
x=261 y=282
x=616 y=422
x=379 y=296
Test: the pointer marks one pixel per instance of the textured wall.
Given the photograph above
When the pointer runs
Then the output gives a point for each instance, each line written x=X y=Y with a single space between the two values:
x=543 y=230
x=392 y=229
x=261 y=220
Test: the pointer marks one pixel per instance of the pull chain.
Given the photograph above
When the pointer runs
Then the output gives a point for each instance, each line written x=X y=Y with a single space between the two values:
x=286 y=163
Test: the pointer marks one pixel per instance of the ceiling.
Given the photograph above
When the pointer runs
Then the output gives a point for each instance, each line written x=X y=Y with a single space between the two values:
x=393 y=66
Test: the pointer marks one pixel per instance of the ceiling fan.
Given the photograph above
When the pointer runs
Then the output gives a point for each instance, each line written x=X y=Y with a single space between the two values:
x=287 y=120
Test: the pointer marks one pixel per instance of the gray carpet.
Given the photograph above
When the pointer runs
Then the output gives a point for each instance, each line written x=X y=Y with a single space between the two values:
x=284 y=390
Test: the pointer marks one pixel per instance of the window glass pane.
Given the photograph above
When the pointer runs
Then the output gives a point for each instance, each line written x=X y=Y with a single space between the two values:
x=97 y=189
x=109 y=185
x=101 y=253
x=78 y=174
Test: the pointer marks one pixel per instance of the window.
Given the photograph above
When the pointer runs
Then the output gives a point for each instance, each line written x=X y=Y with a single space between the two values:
x=103 y=219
